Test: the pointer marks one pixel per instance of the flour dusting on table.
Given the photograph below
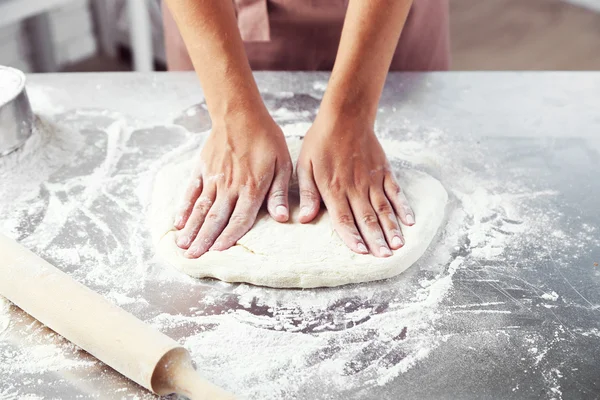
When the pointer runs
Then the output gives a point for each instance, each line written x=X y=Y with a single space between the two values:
x=79 y=191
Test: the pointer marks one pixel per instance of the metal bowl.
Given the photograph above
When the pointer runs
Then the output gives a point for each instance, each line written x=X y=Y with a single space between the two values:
x=16 y=117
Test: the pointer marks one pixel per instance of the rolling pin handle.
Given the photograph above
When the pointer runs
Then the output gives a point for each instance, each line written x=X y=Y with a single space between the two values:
x=175 y=373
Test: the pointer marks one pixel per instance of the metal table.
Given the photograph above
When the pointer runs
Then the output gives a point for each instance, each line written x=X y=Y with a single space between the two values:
x=505 y=303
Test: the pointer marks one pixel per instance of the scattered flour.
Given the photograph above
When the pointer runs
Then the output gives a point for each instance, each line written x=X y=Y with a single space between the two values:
x=35 y=358
x=320 y=86
x=23 y=171
x=79 y=200
x=552 y=296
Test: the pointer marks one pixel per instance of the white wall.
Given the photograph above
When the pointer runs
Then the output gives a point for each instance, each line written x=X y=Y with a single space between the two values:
x=72 y=36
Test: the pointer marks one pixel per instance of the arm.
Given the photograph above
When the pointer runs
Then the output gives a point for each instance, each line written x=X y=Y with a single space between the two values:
x=369 y=39
x=245 y=157
x=209 y=30
x=341 y=160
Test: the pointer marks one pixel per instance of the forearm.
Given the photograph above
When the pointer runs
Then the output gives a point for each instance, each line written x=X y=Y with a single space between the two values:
x=369 y=39
x=209 y=30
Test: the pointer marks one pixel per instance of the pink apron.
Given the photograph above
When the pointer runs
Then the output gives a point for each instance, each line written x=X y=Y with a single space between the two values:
x=304 y=35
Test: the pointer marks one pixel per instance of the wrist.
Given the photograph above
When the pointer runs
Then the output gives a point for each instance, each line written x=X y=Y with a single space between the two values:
x=235 y=106
x=246 y=120
x=351 y=103
x=336 y=121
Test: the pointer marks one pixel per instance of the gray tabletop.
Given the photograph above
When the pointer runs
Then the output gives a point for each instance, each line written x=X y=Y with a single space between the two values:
x=504 y=304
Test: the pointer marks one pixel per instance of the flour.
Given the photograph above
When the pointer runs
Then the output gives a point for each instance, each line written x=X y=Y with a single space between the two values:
x=311 y=336
x=11 y=83
x=48 y=358
x=299 y=328
x=23 y=171
x=40 y=351
x=320 y=86
x=552 y=296
x=78 y=192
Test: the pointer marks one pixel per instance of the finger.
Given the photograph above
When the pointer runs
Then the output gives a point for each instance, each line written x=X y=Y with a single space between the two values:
x=277 y=202
x=185 y=236
x=189 y=198
x=398 y=200
x=239 y=224
x=213 y=225
x=387 y=218
x=368 y=225
x=310 y=200
x=343 y=223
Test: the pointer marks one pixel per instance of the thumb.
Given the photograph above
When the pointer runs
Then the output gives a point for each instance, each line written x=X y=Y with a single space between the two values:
x=277 y=202
x=310 y=200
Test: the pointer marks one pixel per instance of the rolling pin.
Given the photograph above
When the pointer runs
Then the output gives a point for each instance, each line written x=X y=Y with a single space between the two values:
x=109 y=333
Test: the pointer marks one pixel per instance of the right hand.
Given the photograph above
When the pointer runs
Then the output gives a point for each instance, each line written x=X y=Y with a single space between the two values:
x=245 y=158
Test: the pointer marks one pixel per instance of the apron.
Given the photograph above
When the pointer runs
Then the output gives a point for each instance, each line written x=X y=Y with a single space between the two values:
x=303 y=35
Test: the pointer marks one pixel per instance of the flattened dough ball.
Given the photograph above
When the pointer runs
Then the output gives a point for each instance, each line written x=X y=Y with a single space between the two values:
x=294 y=255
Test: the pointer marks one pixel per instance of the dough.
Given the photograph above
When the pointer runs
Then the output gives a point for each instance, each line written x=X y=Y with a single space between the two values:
x=293 y=254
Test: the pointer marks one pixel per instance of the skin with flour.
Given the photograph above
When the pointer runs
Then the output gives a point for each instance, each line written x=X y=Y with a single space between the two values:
x=245 y=159
x=292 y=254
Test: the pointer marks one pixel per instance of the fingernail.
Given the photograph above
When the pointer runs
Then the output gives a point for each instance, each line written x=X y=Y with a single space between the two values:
x=410 y=219
x=281 y=211
x=183 y=241
x=362 y=248
x=179 y=220
x=304 y=211
x=385 y=251
x=397 y=241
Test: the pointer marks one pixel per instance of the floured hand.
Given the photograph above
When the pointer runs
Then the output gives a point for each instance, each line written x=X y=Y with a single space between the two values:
x=243 y=161
x=343 y=163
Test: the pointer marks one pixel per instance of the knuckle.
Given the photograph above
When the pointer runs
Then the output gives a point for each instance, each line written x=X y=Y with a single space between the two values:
x=252 y=189
x=278 y=194
x=251 y=185
x=211 y=216
x=384 y=209
x=216 y=177
x=252 y=194
x=239 y=220
x=394 y=187
x=202 y=208
x=203 y=202
x=370 y=220
x=308 y=194
x=335 y=186
x=345 y=219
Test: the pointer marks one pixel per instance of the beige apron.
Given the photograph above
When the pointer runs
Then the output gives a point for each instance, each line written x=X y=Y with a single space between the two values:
x=304 y=35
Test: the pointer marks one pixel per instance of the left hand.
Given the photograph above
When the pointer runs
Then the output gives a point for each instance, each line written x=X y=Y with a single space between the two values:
x=342 y=162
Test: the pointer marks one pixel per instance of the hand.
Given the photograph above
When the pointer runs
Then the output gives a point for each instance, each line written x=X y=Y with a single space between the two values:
x=343 y=163
x=242 y=160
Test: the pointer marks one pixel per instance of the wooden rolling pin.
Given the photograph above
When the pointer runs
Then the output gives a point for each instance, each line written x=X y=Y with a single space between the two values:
x=104 y=330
